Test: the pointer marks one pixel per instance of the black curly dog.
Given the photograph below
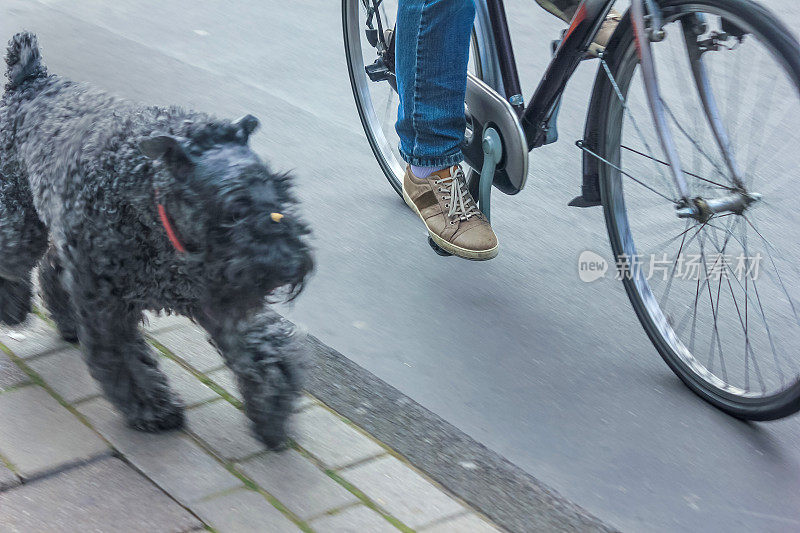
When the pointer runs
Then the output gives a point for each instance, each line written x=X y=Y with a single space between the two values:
x=147 y=208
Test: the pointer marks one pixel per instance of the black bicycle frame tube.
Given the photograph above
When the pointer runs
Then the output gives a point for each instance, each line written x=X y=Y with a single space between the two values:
x=584 y=27
x=505 y=53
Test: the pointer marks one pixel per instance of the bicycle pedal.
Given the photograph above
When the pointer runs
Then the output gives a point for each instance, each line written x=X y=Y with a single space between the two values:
x=436 y=248
x=378 y=71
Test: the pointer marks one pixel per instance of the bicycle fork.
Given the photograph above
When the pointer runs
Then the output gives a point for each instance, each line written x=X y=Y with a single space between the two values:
x=701 y=209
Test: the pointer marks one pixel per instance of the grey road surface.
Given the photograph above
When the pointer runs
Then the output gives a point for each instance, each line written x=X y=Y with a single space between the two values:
x=552 y=373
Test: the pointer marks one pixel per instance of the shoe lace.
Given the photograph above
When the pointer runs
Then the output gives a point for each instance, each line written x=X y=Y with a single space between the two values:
x=462 y=205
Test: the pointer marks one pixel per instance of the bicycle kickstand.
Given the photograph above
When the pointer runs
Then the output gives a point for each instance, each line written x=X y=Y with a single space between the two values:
x=492 y=153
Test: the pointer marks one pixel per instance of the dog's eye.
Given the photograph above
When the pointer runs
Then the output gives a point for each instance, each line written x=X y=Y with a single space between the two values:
x=237 y=211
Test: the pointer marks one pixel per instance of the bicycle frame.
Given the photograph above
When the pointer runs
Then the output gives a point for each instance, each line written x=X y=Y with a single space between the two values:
x=535 y=118
x=538 y=119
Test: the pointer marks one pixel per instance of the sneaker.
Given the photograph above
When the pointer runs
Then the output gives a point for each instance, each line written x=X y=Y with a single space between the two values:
x=565 y=10
x=451 y=215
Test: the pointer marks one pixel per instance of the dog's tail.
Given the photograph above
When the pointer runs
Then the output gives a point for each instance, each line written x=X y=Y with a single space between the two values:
x=23 y=60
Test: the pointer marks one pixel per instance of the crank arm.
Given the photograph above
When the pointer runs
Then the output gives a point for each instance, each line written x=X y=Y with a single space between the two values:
x=486 y=108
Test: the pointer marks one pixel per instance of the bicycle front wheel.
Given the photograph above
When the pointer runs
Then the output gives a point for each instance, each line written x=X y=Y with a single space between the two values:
x=718 y=293
x=377 y=101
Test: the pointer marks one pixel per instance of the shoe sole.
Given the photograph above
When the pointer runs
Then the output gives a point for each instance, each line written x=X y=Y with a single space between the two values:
x=464 y=253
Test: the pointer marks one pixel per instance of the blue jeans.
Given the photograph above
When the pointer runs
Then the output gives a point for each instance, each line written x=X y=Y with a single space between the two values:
x=431 y=55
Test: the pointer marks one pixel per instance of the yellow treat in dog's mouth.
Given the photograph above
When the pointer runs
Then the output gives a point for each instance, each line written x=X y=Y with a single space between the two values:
x=276 y=217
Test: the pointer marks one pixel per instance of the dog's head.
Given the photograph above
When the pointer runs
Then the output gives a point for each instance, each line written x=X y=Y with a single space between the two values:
x=232 y=213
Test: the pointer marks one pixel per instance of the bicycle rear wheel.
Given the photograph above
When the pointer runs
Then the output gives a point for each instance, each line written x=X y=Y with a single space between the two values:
x=719 y=295
x=377 y=101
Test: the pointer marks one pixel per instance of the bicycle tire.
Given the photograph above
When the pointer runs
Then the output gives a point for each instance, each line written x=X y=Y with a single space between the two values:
x=605 y=136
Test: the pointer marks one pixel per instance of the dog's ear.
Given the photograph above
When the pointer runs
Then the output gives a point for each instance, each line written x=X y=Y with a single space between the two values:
x=161 y=145
x=170 y=148
x=247 y=125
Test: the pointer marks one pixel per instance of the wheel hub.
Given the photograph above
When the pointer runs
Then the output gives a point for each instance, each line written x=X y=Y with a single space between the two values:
x=703 y=209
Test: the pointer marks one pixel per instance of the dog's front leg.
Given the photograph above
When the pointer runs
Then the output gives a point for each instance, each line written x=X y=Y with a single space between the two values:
x=55 y=296
x=265 y=353
x=123 y=363
x=120 y=359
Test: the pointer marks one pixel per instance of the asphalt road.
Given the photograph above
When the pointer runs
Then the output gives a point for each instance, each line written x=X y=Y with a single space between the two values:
x=554 y=374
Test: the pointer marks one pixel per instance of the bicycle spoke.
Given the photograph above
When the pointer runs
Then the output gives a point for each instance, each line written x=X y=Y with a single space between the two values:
x=694 y=316
x=624 y=173
x=665 y=297
x=747 y=348
x=383 y=11
x=775 y=357
x=734 y=95
x=763 y=315
x=686 y=314
x=684 y=171
x=693 y=141
x=749 y=354
x=742 y=323
x=669 y=241
x=626 y=112
x=715 y=336
x=777 y=272
x=387 y=110
x=758 y=133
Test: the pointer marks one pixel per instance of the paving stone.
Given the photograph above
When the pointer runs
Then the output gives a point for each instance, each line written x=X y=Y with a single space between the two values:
x=39 y=435
x=67 y=374
x=225 y=379
x=103 y=496
x=7 y=477
x=224 y=428
x=469 y=522
x=172 y=460
x=297 y=483
x=35 y=337
x=190 y=344
x=242 y=511
x=190 y=389
x=358 y=519
x=10 y=374
x=304 y=401
x=331 y=440
x=405 y=494
x=157 y=322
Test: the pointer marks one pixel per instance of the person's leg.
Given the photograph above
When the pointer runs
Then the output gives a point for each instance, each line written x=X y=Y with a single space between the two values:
x=431 y=54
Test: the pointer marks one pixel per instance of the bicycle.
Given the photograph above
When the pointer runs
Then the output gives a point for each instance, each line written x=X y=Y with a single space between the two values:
x=726 y=334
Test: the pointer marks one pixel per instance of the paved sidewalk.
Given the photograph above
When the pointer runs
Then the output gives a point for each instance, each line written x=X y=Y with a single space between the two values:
x=69 y=463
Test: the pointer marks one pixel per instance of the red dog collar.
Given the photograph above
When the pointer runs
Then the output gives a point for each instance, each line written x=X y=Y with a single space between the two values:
x=171 y=234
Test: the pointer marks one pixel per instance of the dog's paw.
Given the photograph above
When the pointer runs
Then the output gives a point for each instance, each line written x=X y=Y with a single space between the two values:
x=163 y=416
x=70 y=336
x=15 y=302
x=66 y=327
x=274 y=440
